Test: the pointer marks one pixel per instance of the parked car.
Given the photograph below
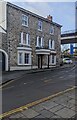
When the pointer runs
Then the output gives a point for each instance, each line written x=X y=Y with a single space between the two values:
x=67 y=61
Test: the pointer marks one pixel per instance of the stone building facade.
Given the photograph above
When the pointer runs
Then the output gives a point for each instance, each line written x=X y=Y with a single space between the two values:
x=32 y=40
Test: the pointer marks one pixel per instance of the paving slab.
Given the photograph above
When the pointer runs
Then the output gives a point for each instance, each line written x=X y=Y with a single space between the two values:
x=72 y=101
x=67 y=104
x=55 y=116
x=46 y=113
x=73 y=108
x=62 y=99
x=38 y=108
x=29 y=113
x=48 y=105
x=18 y=115
x=40 y=116
x=65 y=113
x=56 y=108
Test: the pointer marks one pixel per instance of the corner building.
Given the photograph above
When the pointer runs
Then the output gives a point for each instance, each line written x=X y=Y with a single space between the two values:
x=32 y=40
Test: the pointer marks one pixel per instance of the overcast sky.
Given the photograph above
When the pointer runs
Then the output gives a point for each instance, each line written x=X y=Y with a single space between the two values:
x=62 y=12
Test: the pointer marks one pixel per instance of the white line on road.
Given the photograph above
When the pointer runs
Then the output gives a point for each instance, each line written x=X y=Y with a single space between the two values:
x=9 y=87
x=25 y=83
x=61 y=77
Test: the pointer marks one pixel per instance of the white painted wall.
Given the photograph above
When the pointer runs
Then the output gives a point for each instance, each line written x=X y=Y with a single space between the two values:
x=3 y=14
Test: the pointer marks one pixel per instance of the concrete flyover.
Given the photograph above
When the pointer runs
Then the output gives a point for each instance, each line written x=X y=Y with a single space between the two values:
x=68 y=37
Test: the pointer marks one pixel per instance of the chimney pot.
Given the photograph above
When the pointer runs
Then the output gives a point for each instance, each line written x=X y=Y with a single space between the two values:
x=49 y=17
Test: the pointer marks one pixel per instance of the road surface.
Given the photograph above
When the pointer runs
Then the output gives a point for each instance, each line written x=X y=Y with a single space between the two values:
x=34 y=86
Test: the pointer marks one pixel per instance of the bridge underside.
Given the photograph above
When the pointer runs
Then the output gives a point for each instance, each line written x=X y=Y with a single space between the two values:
x=68 y=41
x=69 y=37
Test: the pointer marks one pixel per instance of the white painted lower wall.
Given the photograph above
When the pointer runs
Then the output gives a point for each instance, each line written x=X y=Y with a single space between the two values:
x=28 y=67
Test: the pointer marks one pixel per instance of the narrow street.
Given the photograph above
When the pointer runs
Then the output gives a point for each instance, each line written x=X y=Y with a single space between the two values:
x=35 y=86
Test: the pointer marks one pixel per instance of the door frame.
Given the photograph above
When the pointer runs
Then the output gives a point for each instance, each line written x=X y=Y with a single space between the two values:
x=40 y=61
x=6 y=59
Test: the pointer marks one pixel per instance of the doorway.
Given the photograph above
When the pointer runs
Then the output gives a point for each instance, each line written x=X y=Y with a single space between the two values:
x=40 y=61
x=3 y=60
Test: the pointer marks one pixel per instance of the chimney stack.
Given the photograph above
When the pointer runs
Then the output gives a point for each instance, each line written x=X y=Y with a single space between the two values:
x=49 y=17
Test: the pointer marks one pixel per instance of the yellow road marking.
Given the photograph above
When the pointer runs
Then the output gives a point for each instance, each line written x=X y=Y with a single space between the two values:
x=6 y=84
x=35 y=103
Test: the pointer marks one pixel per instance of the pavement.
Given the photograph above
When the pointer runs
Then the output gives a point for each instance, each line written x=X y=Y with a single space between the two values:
x=11 y=75
x=61 y=105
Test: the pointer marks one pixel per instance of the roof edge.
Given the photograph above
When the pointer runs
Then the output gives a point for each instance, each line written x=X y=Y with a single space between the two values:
x=31 y=13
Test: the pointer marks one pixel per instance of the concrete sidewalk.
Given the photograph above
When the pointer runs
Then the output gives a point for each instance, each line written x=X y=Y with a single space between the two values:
x=11 y=75
x=60 y=106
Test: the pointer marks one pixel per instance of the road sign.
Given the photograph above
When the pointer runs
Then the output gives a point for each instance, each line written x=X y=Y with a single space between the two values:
x=71 y=49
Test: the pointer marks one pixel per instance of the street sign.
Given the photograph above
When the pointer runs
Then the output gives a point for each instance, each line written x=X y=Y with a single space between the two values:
x=71 y=49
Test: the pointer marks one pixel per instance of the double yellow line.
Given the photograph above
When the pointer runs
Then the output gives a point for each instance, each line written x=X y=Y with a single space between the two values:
x=27 y=106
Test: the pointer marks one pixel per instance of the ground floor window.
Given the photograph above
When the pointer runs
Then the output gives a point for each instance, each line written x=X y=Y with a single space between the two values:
x=24 y=58
x=53 y=58
x=20 y=58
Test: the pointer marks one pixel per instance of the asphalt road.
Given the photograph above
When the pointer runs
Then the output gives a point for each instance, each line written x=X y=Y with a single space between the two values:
x=35 y=86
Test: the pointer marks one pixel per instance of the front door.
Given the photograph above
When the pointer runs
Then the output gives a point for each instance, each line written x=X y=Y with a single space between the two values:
x=40 y=59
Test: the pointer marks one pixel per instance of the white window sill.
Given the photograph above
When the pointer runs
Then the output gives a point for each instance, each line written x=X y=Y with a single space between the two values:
x=51 y=33
x=40 y=46
x=24 y=64
x=52 y=48
x=24 y=44
x=39 y=30
x=25 y=25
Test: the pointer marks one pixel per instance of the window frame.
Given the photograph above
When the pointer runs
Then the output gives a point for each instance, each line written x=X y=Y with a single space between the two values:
x=26 y=58
x=27 y=39
x=25 y=20
x=19 y=58
x=53 y=59
x=51 y=27
x=39 y=21
x=41 y=43
x=51 y=44
x=23 y=58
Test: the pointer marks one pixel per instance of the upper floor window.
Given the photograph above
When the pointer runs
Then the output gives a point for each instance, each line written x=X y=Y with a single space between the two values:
x=51 y=44
x=24 y=38
x=39 y=42
x=40 y=25
x=51 y=30
x=24 y=20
